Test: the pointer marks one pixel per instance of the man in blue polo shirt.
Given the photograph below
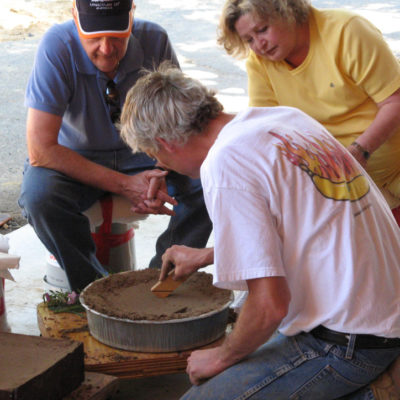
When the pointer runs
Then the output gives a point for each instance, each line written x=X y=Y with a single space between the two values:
x=81 y=74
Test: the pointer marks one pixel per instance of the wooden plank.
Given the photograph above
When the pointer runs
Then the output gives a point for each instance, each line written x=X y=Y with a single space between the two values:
x=105 y=359
x=95 y=387
x=33 y=367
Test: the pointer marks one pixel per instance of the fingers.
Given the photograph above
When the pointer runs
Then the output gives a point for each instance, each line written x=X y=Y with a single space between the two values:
x=156 y=181
x=166 y=211
x=157 y=187
x=156 y=173
x=190 y=370
x=158 y=207
x=142 y=208
x=169 y=262
x=166 y=266
x=165 y=198
x=194 y=380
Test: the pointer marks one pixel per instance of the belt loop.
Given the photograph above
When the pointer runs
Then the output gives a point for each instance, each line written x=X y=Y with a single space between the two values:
x=350 y=346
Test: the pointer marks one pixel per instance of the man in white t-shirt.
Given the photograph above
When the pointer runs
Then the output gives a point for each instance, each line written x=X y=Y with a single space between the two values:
x=298 y=224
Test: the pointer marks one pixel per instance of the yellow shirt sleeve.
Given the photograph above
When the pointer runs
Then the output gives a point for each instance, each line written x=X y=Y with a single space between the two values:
x=368 y=60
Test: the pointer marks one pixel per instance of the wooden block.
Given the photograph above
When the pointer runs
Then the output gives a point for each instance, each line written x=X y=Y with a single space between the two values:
x=109 y=360
x=95 y=387
x=33 y=367
x=167 y=286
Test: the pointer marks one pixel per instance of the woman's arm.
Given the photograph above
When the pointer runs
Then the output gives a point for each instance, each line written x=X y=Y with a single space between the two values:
x=383 y=127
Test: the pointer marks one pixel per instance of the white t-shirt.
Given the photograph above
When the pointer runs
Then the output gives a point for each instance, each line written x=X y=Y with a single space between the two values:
x=286 y=199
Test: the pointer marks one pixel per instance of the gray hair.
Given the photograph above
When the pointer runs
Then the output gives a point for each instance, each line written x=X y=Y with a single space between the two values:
x=166 y=104
x=291 y=11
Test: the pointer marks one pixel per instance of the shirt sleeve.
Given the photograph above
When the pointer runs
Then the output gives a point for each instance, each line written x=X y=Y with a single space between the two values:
x=247 y=243
x=368 y=60
x=48 y=89
x=155 y=43
x=169 y=53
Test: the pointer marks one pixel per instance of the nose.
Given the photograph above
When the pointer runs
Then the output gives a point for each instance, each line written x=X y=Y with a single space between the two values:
x=106 y=46
x=259 y=45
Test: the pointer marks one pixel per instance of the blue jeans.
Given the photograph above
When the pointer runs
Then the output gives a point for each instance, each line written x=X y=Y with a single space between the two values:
x=53 y=204
x=298 y=367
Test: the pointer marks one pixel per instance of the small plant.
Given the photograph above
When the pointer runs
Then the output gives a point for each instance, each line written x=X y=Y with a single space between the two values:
x=59 y=302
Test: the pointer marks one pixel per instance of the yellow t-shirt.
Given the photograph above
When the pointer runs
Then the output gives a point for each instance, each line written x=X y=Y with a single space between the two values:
x=349 y=68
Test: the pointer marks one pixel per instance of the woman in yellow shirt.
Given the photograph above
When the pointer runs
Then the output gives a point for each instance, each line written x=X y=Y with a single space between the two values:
x=332 y=64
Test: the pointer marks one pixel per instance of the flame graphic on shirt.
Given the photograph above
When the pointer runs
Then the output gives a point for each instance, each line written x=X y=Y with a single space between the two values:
x=331 y=169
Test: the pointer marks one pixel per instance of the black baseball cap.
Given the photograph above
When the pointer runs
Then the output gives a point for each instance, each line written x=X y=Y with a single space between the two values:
x=97 y=18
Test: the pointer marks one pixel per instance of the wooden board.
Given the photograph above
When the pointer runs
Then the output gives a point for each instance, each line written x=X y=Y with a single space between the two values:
x=95 y=387
x=105 y=359
x=33 y=367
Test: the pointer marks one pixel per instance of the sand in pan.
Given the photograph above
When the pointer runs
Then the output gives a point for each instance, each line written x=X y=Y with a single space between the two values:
x=128 y=295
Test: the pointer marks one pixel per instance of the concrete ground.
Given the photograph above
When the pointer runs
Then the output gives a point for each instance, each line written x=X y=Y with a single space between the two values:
x=192 y=26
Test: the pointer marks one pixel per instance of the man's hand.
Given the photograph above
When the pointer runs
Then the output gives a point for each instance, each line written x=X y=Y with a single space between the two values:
x=203 y=364
x=186 y=260
x=148 y=193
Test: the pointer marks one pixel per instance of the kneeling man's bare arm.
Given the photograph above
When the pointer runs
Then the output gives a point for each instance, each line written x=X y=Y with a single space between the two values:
x=266 y=305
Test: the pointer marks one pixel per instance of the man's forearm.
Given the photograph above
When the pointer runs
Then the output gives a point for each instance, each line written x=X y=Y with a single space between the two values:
x=81 y=169
x=264 y=309
x=207 y=257
x=256 y=324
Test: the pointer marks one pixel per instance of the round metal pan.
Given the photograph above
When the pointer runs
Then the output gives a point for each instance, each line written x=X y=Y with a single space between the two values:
x=158 y=336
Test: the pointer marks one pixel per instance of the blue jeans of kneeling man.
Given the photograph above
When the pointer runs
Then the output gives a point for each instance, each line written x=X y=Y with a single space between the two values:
x=53 y=204
x=298 y=367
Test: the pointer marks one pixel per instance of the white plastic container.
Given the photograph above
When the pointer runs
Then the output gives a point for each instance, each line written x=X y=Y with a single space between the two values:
x=55 y=278
x=120 y=223
x=121 y=258
x=7 y=261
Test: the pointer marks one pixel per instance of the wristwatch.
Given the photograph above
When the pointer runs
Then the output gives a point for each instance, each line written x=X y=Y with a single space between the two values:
x=366 y=154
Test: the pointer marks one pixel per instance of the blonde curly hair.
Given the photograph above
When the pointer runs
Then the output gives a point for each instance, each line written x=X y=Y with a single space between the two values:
x=292 y=11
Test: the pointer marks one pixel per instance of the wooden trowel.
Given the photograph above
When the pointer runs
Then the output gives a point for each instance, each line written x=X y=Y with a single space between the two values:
x=167 y=286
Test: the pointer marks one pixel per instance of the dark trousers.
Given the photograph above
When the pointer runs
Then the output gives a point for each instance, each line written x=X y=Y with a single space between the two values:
x=53 y=204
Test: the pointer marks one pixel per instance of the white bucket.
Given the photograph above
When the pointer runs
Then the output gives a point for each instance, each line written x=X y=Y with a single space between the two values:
x=123 y=257
x=55 y=278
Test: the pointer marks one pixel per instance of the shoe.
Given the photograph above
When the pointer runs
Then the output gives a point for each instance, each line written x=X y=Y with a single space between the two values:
x=384 y=388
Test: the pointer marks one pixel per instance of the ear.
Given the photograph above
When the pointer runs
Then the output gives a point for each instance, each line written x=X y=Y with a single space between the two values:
x=168 y=146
